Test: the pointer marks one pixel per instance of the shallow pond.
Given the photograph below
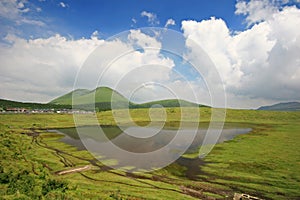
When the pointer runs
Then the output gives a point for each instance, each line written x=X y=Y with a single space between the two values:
x=146 y=139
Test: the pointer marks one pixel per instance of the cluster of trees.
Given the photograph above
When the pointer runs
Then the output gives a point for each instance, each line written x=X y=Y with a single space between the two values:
x=4 y=104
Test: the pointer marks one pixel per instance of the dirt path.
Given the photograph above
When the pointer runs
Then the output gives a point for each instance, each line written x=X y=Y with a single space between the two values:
x=74 y=170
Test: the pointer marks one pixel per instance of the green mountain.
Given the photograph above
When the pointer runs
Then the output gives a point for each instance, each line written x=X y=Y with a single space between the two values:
x=103 y=96
x=83 y=96
x=289 y=106
x=67 y=98
x=83 y=99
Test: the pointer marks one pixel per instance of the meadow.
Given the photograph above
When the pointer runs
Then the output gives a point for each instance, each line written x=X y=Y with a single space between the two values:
x=263 y=163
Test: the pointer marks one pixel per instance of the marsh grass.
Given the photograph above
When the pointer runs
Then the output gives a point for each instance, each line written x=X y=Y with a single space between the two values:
x=263 y=163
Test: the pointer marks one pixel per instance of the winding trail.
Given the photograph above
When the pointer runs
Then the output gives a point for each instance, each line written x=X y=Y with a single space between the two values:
x=77 y=169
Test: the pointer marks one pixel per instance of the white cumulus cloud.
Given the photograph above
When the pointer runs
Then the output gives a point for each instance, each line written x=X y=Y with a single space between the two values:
x=256 y=10
x=44 y=68
x=260 y=63
x=40 y=69
x=95 y=35
x=151 y=17
x=126 y=65
x=170 y=22
x=63 y=5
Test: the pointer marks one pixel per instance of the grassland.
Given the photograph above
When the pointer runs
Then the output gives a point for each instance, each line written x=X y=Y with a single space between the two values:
x=264 y=163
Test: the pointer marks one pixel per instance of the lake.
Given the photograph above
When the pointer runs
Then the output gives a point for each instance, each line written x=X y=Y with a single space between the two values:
x=144 y=140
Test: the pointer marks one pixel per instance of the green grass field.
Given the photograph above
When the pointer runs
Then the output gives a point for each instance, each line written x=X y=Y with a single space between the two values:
x=264 y=163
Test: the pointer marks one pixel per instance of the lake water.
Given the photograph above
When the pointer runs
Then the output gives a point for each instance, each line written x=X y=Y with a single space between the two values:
x=144 y=140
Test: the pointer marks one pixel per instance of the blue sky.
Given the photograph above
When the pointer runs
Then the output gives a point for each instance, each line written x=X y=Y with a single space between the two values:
x=44 y=43
x=80 y=18
x=111 y=17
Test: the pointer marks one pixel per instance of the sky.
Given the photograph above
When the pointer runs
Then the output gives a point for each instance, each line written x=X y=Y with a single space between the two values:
x=50 y=47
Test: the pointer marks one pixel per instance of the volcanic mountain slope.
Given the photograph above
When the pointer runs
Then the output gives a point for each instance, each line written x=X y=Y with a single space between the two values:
x=289 y=106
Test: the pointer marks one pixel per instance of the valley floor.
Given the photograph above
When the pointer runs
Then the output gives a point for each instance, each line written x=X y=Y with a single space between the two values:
x=262 y=163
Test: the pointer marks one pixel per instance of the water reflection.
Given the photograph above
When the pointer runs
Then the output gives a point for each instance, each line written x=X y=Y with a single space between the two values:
x=138 y=140
x=169 y=144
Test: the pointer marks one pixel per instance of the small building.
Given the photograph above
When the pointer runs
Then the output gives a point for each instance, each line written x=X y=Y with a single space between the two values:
x=16 y=110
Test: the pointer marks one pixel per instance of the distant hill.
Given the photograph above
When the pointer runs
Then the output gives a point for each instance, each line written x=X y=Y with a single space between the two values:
x=83 y=97
x=167 y=103
x=103 y=96
x=289 y=106
x=4 y=104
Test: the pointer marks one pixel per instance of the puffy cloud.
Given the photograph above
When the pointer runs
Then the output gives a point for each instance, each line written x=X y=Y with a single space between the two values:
x=152 y=18
x=256 y=10
x=144 y=41
x=170 y=22
x=261 y=63
x=260 y=10
x=126 y=65
x=41 y=69
x=63 y=5
x=95 y=35
x=214 y=37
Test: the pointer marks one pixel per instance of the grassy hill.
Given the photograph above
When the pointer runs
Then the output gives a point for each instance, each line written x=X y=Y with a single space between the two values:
x=103 y=98
x=83 y=96
x=67 y=98
x=289 y=106
x=83 y=99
